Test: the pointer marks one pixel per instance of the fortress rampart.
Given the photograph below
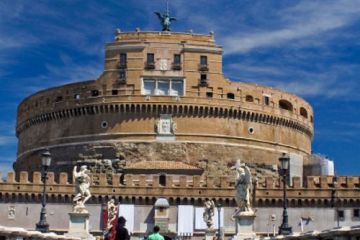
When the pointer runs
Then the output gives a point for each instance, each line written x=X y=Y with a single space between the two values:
x=318 y=191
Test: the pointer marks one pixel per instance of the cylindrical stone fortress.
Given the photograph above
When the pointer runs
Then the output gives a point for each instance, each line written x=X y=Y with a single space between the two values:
x=163 y=97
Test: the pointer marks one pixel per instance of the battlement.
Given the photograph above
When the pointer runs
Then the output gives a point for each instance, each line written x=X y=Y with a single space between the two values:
x=317 y=190
x=311 y=182
x=225 y=182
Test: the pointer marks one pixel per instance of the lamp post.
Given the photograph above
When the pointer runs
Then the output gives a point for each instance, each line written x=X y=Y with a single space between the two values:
x=219 y=212
x=284 y=229
x=42 y=225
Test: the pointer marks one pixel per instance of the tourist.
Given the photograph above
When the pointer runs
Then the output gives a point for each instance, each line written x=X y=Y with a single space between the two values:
x=156 y=235
x=121 y=232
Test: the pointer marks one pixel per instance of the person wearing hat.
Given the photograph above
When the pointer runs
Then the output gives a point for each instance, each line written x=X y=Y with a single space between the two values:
x=156 y=235
x=121 y=232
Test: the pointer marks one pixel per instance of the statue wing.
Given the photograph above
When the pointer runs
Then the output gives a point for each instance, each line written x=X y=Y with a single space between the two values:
x=247 y=175
x=159 y=15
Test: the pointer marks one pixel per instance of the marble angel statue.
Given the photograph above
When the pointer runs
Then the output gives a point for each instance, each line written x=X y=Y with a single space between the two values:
x=243 y=185
x=82 y=188
x=208 y=215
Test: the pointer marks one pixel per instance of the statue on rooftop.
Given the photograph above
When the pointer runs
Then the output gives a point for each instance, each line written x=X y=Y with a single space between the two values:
x=82 y=187
x=165 y=20
x=243 y=187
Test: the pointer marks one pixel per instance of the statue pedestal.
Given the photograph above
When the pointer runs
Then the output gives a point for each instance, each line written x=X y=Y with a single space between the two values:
x=79 y=226
x=245 y=225
x=210 y=234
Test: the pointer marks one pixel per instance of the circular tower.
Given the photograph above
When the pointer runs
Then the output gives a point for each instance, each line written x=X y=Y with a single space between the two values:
x=162 y=97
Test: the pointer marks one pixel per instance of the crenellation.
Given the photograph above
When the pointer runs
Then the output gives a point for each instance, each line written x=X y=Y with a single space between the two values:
x=296 y=182
x=210 y=182
x=63 y=178
x=24 y=178
x=11 y=177
x=128 y=180
x=51 y=178
x=341 y=181
x=196 y=181
x=324 y=183
x=169 y=181
x=115 y=179
x=155 y=181
x=224 y=182
x=36 y=179
x=142 y=180
x=183 y=181
x=311 y=182
x=269 y=183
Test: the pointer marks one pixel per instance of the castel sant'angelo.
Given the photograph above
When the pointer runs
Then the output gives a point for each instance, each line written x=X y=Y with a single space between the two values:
x=162 y=121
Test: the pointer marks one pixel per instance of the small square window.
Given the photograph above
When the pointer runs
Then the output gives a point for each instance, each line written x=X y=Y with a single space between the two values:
x=209 y=94
x=77 y=96
x=203 y=77
x=114 y=92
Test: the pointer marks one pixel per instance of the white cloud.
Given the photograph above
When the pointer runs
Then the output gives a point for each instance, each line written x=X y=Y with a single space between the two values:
x=305 y=20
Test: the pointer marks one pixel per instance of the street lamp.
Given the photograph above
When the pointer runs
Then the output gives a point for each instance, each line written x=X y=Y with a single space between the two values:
x=42 y=225
x=284 y=229
x=219 y=211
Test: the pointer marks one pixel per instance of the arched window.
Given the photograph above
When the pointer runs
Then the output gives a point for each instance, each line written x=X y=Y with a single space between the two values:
x=230 y=96
x=303 y=112
x=249 y=98
x=284 y=104
x=162 y=180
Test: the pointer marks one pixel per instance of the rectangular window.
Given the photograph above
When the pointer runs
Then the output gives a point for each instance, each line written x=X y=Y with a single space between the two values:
x=150 y=58
x=177 y=88
x=149 y=87
x=203 y=60
x=341 y=215
x=163 y=87
x=209 y=94
x=123 y=60
x=203 y=77
x=267 y=100
x=177 y=59
x=356 y=213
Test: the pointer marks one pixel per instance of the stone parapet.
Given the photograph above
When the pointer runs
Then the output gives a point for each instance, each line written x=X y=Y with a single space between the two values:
x=317 y=190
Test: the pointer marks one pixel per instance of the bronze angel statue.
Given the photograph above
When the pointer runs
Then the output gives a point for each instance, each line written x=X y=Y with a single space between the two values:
x=243 y=187
x=165 y=20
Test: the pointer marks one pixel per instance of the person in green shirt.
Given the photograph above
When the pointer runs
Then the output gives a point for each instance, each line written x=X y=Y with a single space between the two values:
x=155 y=235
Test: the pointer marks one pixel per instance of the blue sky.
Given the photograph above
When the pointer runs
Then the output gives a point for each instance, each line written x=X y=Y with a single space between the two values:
x=308 y=47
